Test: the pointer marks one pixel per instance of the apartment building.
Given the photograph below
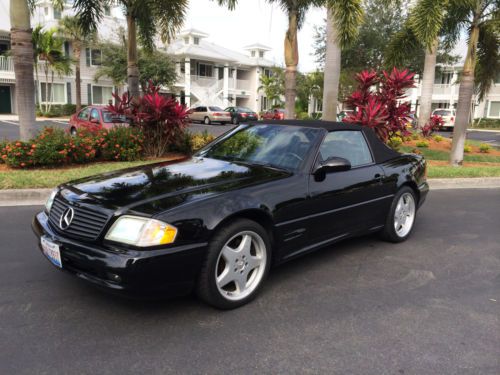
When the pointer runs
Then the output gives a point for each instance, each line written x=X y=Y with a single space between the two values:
x=207 y=73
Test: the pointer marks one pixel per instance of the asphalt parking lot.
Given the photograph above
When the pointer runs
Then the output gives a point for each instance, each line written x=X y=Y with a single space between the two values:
x=430 y=305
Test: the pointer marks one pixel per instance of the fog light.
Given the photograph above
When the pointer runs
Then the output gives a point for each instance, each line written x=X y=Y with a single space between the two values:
x=114 y=277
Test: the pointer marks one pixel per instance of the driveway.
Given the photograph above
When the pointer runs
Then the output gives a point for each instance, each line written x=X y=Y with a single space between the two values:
x=430 y=305
x=490 y=137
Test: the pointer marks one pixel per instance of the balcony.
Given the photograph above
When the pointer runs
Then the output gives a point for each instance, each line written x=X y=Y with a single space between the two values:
x=442 y=89
x=6 y=64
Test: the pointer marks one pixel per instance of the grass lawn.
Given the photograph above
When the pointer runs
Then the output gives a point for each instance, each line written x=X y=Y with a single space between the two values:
x=48 y=178
x=432 y=154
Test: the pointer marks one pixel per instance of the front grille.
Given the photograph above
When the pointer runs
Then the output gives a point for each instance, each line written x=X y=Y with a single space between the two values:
x=87 y=223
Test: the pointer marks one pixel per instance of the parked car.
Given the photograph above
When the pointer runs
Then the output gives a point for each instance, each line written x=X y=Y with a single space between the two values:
x=274 y=114
x=260 y=195
x=94 y=117
x=448 y=116
x=209 y=114
x=239 y=114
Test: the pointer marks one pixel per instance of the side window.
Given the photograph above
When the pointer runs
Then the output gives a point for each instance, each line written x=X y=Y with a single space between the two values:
x=347 y=144
x=94 y=114
x=203 y=109
x=84 y=114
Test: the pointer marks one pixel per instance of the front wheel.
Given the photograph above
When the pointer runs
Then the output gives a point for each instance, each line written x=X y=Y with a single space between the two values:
x=235 y=121
x=207 y=121
x=401 y=218
x=237 y=263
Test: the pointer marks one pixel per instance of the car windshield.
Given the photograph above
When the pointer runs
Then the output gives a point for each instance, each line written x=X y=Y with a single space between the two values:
x=442 y=113
x=213 y=109
x=244 y=109
x=111 y=117
x=278 y=146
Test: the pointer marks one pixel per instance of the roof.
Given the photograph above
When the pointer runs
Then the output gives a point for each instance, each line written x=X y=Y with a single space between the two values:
x=258 y=46
x=381 y=152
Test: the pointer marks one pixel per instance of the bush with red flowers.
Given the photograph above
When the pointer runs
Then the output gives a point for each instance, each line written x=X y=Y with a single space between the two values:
x=160 y=119
x=434 y=124
x=121 y=144
x=379 y=102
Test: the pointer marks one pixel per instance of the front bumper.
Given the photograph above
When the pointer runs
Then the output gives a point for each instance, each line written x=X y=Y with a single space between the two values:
x=221 y=119
x=146 y=273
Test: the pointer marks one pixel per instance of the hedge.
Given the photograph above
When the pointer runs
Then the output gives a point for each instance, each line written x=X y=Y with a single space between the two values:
x=492 y=123
x=58 y=110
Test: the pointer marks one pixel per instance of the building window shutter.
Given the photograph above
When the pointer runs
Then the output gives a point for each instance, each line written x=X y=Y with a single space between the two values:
x=89 y=94
x=68 y=92
x=87 y=56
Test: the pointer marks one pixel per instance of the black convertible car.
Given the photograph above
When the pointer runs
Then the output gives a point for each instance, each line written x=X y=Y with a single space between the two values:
x=255 y=197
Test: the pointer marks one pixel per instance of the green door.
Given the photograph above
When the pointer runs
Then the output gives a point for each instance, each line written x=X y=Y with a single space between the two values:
x=5 y=99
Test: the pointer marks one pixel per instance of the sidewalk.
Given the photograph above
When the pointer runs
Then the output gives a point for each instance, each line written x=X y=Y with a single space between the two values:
x=16 y=118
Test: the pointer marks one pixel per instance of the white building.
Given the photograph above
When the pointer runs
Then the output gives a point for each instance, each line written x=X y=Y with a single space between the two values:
x=445 y=94
x=207 y=73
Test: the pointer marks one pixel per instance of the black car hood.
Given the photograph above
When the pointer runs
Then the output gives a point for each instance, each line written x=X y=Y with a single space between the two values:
x=157 y=187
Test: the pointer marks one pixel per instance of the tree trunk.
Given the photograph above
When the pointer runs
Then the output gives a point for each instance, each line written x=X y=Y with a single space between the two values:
x=132 y=69
x=465 y=94
x=77 y=51
x=22 y=52
x=427 y=85
x=291 y=62
x=332 y=71
x=46 y=70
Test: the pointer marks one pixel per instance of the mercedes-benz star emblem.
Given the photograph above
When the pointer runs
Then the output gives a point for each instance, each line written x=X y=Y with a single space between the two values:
x=66 y=218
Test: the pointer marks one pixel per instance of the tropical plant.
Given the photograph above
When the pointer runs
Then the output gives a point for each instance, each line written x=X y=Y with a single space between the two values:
x=70 y=28
x=22 y=53
x=343 y=20
x=161 y=120
x=48 y=53
x=434 y=124
x=309 y=86
x=144 y=19
x=382 y=109
x=153 y=66
x=273 y=85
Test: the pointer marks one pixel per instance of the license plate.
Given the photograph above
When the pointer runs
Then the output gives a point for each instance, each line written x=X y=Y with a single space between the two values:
x=51 y=251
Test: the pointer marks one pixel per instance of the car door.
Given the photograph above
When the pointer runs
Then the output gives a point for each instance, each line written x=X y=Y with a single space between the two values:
x=345 y=202
x=82 y=119
x=95 y=118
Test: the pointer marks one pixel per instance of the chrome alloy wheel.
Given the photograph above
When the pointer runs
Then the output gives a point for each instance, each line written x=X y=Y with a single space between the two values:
x=241 y=265
x=404 y=215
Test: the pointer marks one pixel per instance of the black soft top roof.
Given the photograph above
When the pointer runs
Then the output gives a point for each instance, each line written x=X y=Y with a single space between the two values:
x=381 y=152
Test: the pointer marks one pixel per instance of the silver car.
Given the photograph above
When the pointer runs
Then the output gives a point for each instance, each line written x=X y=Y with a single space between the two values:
x=448 y=115
x=209 y=114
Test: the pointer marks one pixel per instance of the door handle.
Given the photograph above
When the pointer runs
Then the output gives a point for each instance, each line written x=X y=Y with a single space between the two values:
x=378 y=177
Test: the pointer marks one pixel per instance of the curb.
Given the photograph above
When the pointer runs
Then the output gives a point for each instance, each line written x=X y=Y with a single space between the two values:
x=483 y=130
x=37 y=197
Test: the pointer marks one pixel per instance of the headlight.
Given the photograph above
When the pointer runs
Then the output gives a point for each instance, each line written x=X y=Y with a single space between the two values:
x=141 y=232
x=50 y=200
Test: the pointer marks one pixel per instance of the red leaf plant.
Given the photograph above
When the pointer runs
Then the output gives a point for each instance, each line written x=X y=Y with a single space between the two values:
x=162 y=120
x=434 y=124
x=379 y=102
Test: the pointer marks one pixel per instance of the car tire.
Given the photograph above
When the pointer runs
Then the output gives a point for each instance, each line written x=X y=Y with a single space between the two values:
x=73 y=132
x=235 y=121
x=207 y=121
x=401 y=218
x=232 y=274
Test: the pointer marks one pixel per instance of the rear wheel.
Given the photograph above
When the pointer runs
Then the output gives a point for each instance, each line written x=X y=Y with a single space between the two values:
x=235 y=121
x=207 y=121
x=73 y=132
x=401 y=218
x=236 y=266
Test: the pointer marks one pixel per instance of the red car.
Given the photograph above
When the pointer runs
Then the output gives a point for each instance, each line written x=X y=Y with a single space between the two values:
x=93 y=118
x=274 y=114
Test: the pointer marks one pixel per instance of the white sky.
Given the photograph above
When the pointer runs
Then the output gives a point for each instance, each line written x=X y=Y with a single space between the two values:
x=254 y=21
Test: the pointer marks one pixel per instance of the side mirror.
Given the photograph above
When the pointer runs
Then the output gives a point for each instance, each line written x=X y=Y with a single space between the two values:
x=333 y=164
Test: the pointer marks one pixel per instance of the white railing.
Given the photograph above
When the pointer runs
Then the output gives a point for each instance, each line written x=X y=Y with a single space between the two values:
x=203 y=81
x=441 y=89
x=6 y=64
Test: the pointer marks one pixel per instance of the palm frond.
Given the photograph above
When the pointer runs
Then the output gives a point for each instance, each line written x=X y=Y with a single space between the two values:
x=403 y=44
x=348 y=16
x=488 y=59
x=89 y=13
x=426 y=20
x=169 y=16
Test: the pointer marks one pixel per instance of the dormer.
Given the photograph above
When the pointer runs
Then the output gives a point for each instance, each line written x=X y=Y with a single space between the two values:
x=257 y=50
x=192 y=36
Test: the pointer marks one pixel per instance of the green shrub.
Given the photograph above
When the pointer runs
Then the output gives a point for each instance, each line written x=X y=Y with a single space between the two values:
x=487 y=123
x=422 y=144
x=395 y=143
x=201 y=140
x=438 y=138
x=484 y=148
x=415 y=136
x=467 y=149
x=58 y=110
x=121 y=144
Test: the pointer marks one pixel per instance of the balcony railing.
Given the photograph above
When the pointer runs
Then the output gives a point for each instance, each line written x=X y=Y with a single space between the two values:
x=6 y=64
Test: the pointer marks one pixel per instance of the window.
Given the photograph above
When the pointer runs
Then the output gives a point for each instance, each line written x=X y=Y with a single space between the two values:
x=183 y=67
x=94 y=114
x=84 y=114
x=253 y=53
x=46 y=11
x=196 y=40
x=494 y=109
x=347 y=144
x=215 y=109
x=443 y=78
x=261 y=54
x=205 y=70
x=101 y=94
x=56 y=93
x=107 y=10
x=95 y=57
x=57 y=14
x=186 y=40
x=497 y=79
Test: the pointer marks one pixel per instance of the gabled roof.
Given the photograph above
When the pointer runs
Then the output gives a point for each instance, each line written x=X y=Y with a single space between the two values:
x=257 y=46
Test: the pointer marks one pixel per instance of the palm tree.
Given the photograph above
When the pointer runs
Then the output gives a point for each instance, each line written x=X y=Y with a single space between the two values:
x=70 y=28
x=273 y=85
x=342 y=23
x=22 y=52
x=144 y=19
x=48 y=48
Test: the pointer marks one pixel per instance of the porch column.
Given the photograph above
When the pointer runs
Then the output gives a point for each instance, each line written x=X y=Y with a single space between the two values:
x=453 y=87
x=187 y=81
x=235 y=72
x=226 y=86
